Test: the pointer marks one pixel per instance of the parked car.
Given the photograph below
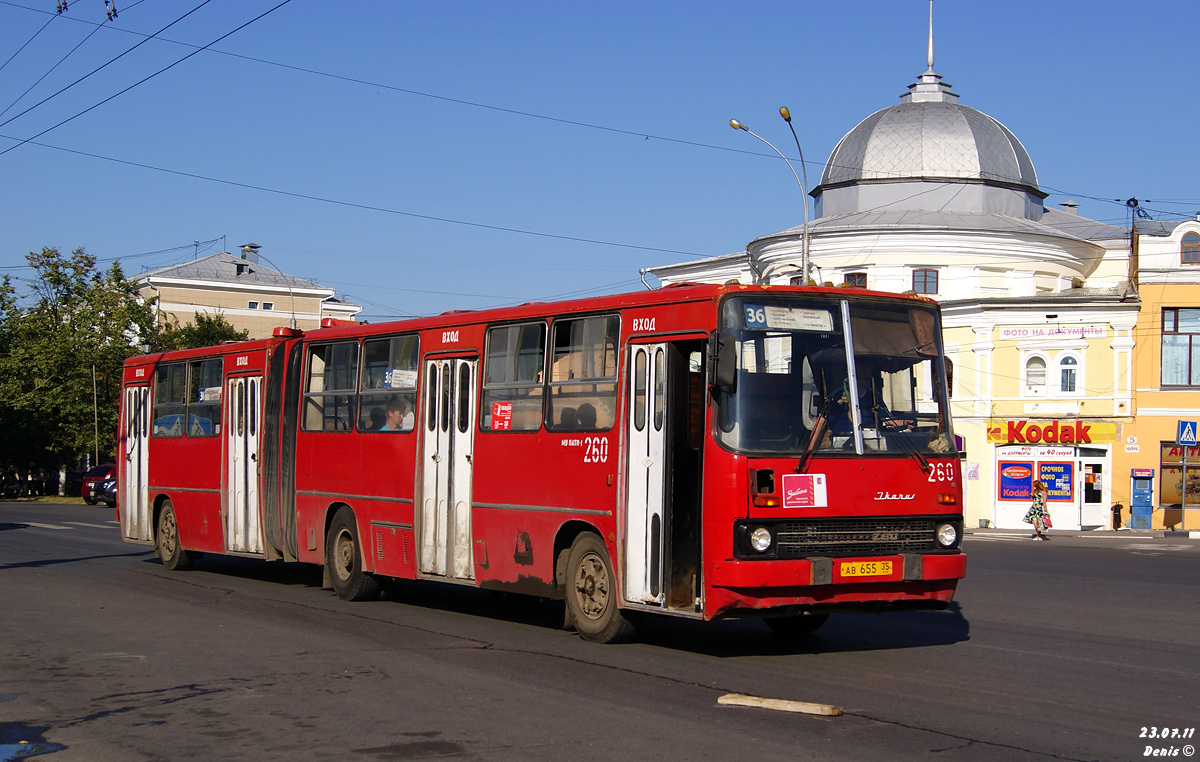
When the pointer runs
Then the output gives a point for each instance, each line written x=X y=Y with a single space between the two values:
x=106 y=491
x=93 y=478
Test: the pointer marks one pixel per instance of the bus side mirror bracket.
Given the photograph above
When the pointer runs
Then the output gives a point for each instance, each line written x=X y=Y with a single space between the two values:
x=723 y=352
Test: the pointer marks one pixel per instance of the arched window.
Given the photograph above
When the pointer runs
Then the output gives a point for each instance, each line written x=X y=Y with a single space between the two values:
x=1068 y=368
x=1035 y=376
x=1190 y=254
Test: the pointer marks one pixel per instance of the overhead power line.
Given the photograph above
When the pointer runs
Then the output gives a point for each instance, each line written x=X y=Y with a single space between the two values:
x=148 y=78
x=99 y=68
x=354 y=205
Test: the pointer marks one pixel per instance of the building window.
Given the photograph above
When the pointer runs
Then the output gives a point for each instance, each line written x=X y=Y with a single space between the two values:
x=857 y=280
x=1190 y=254
x=252 y=306
x=1035 y=376
x=1181 y=347
x=268 y=305
x=1068 y=368
x=925 y=281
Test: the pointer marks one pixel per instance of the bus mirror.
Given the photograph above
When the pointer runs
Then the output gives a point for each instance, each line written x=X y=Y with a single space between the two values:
x=726 y=353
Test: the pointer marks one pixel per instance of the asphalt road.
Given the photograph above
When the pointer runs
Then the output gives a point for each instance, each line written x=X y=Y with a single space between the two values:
x=1068 y=650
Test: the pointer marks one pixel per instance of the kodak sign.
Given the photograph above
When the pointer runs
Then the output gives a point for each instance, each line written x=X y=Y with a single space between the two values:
x=1051 y=432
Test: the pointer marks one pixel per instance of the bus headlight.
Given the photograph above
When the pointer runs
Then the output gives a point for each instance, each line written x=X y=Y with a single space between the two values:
x=947 y=535
x=760 y=539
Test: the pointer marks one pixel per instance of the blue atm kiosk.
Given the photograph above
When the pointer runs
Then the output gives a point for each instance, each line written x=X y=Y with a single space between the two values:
x=1141 y=498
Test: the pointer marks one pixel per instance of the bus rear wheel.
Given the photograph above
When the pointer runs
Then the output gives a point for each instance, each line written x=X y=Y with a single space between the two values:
x=591 y=593
x=166 y=536
x=343 y=560
x=797 y=626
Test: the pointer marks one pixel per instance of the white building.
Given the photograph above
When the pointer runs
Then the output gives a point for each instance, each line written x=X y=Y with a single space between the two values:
x=932 y=196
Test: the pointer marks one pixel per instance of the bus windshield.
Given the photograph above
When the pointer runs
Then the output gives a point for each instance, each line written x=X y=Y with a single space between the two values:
x=830 y=375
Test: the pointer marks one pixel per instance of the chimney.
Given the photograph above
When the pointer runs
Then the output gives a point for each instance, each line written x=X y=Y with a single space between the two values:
x=1069 y=206
x=250 y=252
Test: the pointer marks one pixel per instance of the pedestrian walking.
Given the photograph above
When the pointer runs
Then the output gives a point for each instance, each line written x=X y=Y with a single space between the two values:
x=1037 y=513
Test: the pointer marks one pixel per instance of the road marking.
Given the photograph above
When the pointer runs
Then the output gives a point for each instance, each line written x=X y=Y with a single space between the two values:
x=110 y=525
x=43 y=526
x=802 y=707
x=1148 y=546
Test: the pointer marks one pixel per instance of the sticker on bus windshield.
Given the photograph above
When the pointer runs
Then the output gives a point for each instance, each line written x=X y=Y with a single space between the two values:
x=804 y=491
x=788 y=318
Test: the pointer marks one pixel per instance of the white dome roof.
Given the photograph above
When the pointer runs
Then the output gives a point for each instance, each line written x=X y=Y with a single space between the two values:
x=929 y=136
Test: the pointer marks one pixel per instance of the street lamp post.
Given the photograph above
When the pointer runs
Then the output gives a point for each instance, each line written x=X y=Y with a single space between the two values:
x=253 y=248
x=735 y=124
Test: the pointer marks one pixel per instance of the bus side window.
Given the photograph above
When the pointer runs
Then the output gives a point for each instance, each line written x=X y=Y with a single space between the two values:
x=170 y=400
x=329 y=396
x=204 y=398
x=514 y=369
x=583 y=374
x=388 y=395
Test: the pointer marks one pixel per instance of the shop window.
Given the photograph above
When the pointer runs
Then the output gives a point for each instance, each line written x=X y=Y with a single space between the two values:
x=1190 y=252
x=857 y=280
x=1035 y=376
x=925 y=281
x=1180 y=347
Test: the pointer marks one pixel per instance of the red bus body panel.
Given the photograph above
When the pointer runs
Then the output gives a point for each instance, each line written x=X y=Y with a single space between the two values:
x=532 y=492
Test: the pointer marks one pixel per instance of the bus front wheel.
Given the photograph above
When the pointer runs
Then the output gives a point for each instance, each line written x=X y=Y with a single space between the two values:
x=343 y=559
x=591 y=592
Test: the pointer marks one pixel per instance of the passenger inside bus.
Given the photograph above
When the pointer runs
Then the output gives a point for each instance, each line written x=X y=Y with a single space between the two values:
x=399 y=417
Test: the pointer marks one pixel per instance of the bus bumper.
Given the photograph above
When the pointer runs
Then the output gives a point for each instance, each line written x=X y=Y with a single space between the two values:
x=827 y=584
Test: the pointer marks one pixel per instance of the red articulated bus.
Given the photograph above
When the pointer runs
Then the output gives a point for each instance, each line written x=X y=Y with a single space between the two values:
x=701 y=451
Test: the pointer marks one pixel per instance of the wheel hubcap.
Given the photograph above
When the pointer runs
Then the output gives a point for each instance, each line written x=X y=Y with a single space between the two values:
x=591 y=586
x=344 y=554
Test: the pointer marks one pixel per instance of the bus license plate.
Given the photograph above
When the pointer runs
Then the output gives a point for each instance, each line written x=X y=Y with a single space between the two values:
x=867 y=569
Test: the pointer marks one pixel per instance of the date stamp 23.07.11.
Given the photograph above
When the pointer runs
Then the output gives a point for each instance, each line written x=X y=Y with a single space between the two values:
x=1168 y=742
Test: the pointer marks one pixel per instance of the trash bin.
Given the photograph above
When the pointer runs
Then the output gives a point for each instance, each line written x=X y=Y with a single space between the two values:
x=1116 y=519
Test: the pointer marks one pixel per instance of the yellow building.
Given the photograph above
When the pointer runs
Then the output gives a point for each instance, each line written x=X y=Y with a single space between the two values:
x=245 y=292
x=1166 y=361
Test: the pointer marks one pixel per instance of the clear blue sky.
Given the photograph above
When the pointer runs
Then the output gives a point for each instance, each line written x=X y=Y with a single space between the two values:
x=421 y=157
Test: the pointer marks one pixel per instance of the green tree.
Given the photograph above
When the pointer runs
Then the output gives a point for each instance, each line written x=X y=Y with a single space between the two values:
x=206 y=331
x=62 y=348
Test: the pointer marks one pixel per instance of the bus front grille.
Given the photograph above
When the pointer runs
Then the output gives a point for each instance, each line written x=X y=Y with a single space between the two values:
x=854 y=537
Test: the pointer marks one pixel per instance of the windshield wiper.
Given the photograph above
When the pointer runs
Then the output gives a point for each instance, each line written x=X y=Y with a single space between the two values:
x=818 y=429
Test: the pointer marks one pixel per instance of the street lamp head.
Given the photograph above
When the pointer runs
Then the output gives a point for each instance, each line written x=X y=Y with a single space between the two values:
x=787 y=115
x=251 y=247
x=735 y=124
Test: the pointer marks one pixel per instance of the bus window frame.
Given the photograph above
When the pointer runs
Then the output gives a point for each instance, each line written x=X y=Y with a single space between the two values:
x=309 y=397
x=509 y=389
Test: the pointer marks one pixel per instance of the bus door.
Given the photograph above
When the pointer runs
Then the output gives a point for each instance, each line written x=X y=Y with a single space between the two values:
x=664 y=434
x=243 y=426
x=134 y=490
x=646 y=468
x=446 y=475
